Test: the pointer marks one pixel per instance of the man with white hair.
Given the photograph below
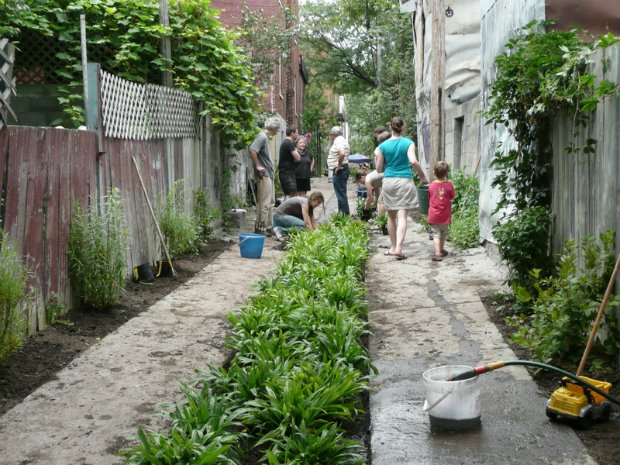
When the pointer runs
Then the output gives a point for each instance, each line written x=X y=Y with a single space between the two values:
x=338 y=163
x=264 y=175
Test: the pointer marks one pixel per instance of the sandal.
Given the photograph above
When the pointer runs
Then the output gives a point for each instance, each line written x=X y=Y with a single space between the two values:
x=437 y=258
x=444 y=253
x=400 y=257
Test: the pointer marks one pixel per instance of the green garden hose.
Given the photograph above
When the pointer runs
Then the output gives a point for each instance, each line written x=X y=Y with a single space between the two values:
x=495 y=365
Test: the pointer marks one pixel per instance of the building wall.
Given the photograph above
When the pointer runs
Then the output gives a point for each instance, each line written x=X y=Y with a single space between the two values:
x=500 y=20
x=285 y=96
x=462 y=136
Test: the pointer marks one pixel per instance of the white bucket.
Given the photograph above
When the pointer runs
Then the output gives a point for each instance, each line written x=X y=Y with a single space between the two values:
x=452 y=405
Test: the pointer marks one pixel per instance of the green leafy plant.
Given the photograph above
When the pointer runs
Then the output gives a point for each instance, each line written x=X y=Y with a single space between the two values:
x=125 y=36
x=381 y=221
x=13 y=293
x=180 y=228
x=202 y=432
x=54 y=308
x=204 y=214
x=299 y=371
x=565 y=305
x=523 y=243
x=464 y=229
x=97 y=251
x=538 y=75
x=305 y=445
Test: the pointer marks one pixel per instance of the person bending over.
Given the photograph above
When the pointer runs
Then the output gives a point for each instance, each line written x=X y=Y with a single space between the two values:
x=296 y=213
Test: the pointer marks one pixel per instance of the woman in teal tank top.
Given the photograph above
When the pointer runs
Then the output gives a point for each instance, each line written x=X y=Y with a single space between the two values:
x=395 y=157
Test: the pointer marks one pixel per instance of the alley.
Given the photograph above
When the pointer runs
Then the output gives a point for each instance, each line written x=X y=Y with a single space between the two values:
x=422 y=314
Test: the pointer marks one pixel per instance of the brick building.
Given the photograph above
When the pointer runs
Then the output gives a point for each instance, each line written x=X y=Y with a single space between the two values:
x=285 y=92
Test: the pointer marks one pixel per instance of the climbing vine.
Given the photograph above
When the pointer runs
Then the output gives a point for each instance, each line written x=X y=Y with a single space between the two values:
x=125 y=35
x=539 y=75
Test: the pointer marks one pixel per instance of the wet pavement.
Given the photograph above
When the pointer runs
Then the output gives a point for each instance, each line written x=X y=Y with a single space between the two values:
x=423 y=314
x=426 y=314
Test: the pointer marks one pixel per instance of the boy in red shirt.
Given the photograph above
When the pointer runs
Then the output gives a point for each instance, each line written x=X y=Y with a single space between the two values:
x=440 y=196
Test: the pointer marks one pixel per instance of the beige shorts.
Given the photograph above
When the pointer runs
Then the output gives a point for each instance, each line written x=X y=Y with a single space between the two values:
x=439 y=231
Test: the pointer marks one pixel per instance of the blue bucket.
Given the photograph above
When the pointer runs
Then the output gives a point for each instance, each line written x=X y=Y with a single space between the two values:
x=251 y=245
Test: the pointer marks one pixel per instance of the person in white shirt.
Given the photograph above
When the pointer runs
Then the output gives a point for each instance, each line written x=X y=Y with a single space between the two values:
x=338 y=163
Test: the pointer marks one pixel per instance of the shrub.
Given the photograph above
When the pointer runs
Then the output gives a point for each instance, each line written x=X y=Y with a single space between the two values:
x=567 y=304
x=180 y=228
x=523 y=243
x=97 y=251
x=13 y=291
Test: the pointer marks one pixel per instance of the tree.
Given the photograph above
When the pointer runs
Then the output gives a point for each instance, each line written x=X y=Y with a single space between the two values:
x=365 y=54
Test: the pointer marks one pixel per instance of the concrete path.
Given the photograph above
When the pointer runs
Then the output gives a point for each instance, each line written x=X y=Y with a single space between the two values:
x=98 y=402
x=423 y=314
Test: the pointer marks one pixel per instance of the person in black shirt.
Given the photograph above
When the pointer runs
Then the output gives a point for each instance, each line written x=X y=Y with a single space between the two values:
x=287 y=161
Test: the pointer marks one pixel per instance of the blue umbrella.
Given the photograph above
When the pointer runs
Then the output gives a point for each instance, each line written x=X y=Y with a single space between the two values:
x=359 y=158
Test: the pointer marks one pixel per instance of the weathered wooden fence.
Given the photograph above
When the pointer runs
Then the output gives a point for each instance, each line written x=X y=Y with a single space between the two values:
x=586 y=187
x=43 y=171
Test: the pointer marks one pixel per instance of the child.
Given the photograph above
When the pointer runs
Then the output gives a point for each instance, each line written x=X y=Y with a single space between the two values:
x=440 y=196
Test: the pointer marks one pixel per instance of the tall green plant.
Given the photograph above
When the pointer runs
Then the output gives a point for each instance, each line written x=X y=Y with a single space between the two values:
x=464 y=229
x=97 y=244
x=523 y=244
x=204 y=214
x=13 y=291
x=180 y=228
x=565 y=305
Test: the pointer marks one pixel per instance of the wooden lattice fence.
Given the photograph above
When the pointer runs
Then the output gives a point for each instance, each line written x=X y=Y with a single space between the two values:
x=145 y=111
x=7 y=82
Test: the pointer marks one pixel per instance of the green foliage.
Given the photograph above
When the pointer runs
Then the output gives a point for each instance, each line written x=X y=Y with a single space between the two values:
x=366 y=55
x=464 y=229
x=54 y=308
x=181 y=230
x=204 y=214
x=381 y=221
x=299 y=370
x=205 y=60
x=318 y=114
x=13 y=293
x=567 y=304
x=97 y=251
x=202 y=432
x=539 y=75
x=265 y=40
x=523 y=243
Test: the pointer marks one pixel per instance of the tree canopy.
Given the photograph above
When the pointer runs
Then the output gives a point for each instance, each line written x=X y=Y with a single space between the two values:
x=365 y=54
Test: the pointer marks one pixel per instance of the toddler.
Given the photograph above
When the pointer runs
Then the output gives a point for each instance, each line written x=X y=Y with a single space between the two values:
x=440 y=196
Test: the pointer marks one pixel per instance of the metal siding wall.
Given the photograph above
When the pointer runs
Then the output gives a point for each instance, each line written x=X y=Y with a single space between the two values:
x=500 y=20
